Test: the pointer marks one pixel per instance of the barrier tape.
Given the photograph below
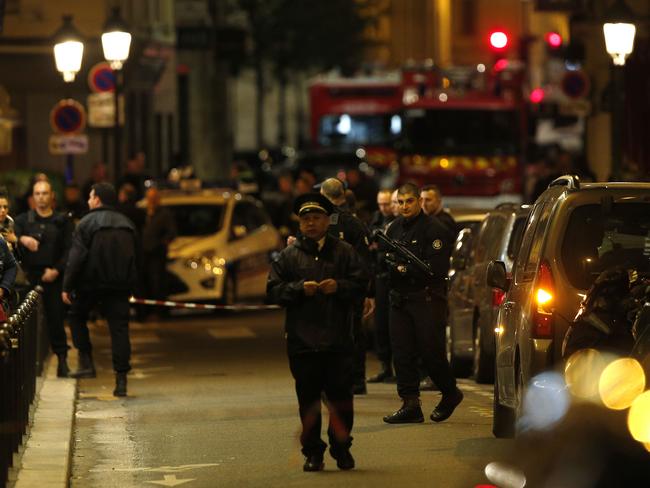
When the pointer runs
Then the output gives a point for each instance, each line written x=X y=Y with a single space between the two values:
x=200 y=306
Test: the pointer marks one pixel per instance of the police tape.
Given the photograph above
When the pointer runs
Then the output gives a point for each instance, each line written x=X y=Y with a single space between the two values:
x=200 y=306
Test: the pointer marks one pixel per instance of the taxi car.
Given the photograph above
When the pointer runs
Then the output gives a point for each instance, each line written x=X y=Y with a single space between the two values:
x=223 y=247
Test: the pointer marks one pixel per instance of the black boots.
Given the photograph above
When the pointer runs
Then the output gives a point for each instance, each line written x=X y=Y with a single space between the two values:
x=120 y=385
x=447 y=405
x=344 y=459
x=62 y=370
x=385 y=373
x=313 y=462
x=86 y=366
x=409 y=413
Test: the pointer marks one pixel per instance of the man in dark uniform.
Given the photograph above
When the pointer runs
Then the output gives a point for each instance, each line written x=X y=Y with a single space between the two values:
x=101 y=270
x=44 y=236
x=317 y=279
x=349 y=228
x=381 y=219
x=8 y=269
x=418 y=309
x=432 y=205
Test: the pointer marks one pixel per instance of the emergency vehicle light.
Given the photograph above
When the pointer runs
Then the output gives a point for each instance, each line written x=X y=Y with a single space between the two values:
x=498 y=40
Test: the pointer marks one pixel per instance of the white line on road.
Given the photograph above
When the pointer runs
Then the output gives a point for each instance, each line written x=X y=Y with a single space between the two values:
x=171 y=480
x=232 y=333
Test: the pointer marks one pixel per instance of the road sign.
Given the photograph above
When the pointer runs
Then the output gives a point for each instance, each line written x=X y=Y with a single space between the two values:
x=101 y=109
x=68 y=117
x=575 y=84
x=101 y=78
x=68 y=144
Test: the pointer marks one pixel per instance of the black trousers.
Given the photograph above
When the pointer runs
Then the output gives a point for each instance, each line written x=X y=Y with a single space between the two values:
x=382 y=330
x=359 y=369
x=417 y=330
x=113 y=306
x=54 y=310
x=329 y=373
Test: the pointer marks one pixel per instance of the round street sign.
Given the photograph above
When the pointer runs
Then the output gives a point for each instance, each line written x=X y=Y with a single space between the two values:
x=68 y=117
x=101 y=78
x=575 y=84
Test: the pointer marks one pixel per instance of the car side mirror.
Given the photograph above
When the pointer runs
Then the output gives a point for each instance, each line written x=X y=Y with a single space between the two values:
x=239 y=231
x=496 y=275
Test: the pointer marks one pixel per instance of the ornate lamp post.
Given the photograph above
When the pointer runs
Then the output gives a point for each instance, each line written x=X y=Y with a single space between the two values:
x=116 y=42
x=619 y=31
x=68 y=49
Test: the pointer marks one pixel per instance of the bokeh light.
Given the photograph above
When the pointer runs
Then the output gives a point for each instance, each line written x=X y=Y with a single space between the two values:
x=545 y=402
x=502 y=474
x=620 y=383
x=638 y=418
x=582 y=373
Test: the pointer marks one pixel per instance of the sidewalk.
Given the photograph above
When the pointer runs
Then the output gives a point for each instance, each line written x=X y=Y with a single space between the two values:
x=45 y=459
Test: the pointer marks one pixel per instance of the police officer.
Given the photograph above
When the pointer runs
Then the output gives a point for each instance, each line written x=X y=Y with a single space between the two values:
x=317 y=279
x=44 y=237
x=349 y=228
x=8 y=269
x=380 y=220
x=101 y=270
x=418 y=310
x=432 y=205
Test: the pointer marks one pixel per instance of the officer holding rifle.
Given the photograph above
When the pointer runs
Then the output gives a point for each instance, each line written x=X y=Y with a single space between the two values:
x=417 y=251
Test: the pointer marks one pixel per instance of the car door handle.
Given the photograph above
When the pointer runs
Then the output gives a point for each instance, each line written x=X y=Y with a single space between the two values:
x=508 y=305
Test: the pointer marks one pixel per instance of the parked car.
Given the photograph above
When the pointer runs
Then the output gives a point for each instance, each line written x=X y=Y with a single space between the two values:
x=573 y=233
x=472 y=303
x=222 y=251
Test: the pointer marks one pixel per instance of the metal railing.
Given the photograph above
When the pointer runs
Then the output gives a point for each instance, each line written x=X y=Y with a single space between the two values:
x=21 y=360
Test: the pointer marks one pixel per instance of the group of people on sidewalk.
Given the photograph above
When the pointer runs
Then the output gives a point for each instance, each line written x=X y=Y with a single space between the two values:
x=79 y=268
x=331 y=276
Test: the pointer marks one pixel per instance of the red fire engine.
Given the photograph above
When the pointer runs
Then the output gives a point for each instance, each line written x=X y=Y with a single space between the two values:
x=358 y=115
x=464 y=130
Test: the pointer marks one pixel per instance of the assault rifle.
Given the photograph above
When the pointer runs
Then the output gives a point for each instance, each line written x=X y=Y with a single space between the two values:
x=404 y=253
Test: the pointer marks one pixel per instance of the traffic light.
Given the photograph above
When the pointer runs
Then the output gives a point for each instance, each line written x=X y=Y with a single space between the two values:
x=536 y=95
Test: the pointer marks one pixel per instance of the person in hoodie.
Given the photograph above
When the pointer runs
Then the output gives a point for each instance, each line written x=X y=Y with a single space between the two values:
x=101 y=271
x=317 y=279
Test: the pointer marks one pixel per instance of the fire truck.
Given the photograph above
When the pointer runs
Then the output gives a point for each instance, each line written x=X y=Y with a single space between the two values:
x=464 y=130
x=357 y=115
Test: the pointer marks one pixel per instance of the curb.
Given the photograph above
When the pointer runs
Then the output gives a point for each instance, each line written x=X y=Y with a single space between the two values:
x=45 y=459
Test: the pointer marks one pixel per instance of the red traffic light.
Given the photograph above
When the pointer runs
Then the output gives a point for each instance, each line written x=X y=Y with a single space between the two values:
x=553 y=40
x=498 y=40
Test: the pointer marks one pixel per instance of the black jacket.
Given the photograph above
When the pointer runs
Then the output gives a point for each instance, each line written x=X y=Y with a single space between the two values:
x=320 y=322
x=8 y=267
x=430 y=241
x=103 y=253
x=53 y=233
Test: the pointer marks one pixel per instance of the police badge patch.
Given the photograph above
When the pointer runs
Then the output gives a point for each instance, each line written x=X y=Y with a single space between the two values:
x=437 y=244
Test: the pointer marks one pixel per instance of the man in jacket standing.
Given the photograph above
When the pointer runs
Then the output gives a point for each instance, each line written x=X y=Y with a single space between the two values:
x=101 y=271
x=44 y=239
x=317 y=279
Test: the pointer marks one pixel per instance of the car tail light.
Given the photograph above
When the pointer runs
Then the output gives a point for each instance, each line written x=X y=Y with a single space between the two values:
x=543 y=302
x=497 y=297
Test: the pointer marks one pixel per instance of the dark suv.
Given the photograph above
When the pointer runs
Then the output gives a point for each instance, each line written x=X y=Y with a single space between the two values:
x=473 y=304
x=573 y=233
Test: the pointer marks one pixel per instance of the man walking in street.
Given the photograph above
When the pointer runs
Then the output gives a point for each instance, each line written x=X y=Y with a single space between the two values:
x=317 y=279
x=381 y=219
x=418 y=309
x=101 y=271
x=44 y=238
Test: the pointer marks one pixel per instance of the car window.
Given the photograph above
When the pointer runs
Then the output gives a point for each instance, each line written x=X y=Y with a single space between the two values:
x=516 y=236
x=535 y=251
x=489 y=239
x=598 y=237
x=526 y=242
x=197 y=219
x=249 y=215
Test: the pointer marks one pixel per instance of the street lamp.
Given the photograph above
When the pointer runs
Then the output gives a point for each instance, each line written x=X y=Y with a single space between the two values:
x=68 y=49
x=619 y=31
x=116 y=42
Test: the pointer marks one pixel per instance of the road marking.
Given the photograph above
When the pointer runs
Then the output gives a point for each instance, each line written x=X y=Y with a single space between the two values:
x=481 y=411
x=160 y=469
x=232 y=333
x=171 y=480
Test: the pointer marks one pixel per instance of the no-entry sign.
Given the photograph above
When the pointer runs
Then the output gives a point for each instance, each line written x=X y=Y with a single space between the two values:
x=68 y=117
x=101 y=78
